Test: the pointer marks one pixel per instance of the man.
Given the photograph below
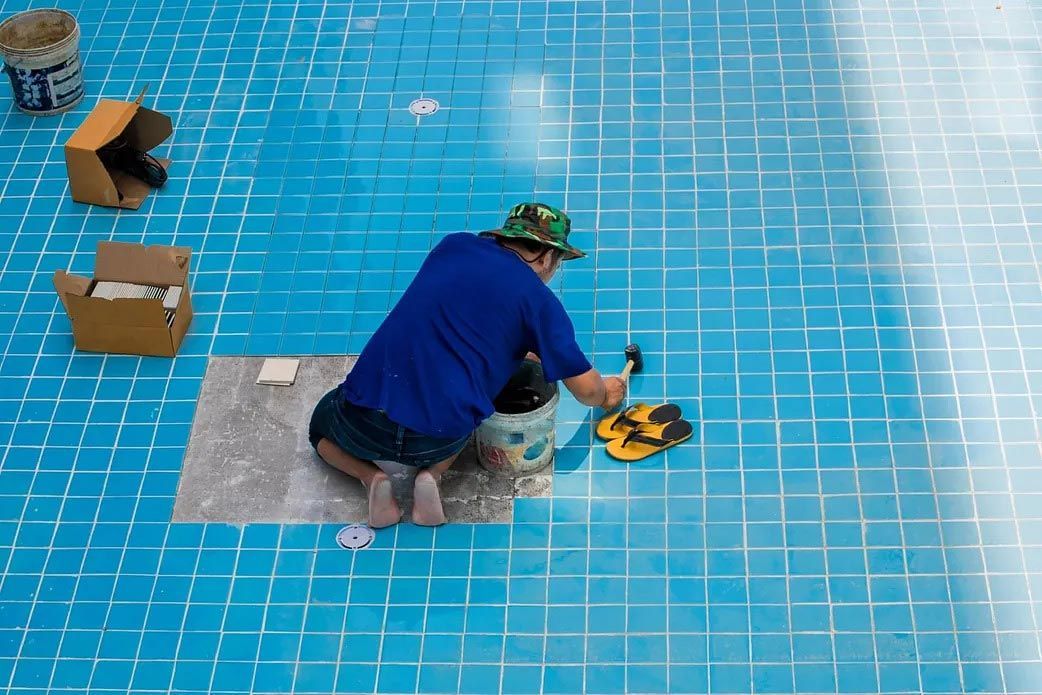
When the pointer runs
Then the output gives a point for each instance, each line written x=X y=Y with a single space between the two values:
x=477 y=307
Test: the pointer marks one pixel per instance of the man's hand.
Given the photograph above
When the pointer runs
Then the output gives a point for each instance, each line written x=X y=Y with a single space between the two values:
x=532 y=357
x=614 y=392
x=597 y=391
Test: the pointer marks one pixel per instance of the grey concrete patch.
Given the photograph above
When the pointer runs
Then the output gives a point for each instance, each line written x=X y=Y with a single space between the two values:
x=249 y=459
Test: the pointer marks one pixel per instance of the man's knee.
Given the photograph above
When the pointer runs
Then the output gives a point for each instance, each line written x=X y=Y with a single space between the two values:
x=325 y=410
x=315 y=438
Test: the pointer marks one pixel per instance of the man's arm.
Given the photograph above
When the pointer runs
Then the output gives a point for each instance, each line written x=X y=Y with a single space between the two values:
x=554 y=341
x=596 y=391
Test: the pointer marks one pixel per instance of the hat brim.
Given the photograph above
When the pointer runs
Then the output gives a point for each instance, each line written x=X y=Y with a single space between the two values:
x=570 y=252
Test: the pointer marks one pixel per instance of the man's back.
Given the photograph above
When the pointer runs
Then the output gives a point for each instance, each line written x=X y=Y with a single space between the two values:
x=457 y=335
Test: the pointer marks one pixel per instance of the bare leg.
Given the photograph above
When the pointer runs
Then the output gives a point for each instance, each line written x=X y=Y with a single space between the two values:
x=383 y=510
x=345 y=462
x=426 y=504
x=437 y=469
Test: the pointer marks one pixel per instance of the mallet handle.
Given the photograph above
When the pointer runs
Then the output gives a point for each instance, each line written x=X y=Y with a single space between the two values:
x=625 y=376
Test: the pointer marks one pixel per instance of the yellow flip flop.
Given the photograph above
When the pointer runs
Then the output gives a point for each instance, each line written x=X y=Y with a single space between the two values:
x=648 y=440
x=618 y=425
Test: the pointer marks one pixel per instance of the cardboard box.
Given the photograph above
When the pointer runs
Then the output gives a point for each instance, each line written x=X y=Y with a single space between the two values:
x=129 y=326
x=89 y=180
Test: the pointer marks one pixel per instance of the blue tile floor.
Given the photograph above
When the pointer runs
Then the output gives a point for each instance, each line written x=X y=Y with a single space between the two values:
x=821 y=219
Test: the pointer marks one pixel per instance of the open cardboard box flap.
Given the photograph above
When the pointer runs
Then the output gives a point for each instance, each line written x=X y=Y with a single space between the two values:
x=70 y=285
x=89 y=180
x=145 y=265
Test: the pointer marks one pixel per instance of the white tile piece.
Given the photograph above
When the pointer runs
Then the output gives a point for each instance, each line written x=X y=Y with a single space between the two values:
x=278 y=372
x=171 y=298
x=127 y=290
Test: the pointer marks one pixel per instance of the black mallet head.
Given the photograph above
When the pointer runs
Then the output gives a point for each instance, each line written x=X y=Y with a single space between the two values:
x=634 y=355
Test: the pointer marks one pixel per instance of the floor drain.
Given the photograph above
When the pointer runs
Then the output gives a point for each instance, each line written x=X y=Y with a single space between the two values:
x=355 y=537
x=423 y=107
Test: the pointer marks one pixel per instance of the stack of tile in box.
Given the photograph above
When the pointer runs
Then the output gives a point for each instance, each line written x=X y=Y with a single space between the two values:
x=170 y=296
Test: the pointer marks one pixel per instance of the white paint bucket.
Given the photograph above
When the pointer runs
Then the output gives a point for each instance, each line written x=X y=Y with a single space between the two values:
x=41 y=52
x=520 y=443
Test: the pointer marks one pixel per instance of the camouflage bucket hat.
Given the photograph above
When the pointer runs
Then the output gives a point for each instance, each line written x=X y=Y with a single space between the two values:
x=540 y=223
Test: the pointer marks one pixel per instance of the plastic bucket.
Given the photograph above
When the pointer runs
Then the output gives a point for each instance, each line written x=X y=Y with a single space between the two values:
x=41 y=52
x=519 y=437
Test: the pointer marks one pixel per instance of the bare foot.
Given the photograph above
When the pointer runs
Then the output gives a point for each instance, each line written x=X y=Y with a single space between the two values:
x=426 y=501
x=383 y=510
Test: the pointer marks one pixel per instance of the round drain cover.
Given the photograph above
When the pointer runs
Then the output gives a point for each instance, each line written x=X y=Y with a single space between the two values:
x=355 y=537
x=423 y=107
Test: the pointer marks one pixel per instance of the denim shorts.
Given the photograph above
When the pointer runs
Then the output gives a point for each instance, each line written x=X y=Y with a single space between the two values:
x=371 y=436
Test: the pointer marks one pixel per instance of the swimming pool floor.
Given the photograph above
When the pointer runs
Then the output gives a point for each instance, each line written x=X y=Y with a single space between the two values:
x=821 y=220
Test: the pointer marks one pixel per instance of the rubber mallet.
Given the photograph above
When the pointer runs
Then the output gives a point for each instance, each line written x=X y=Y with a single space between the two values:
x=634 y=361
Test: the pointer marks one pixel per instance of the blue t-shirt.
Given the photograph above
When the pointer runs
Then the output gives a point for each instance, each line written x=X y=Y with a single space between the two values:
x=457 y=335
